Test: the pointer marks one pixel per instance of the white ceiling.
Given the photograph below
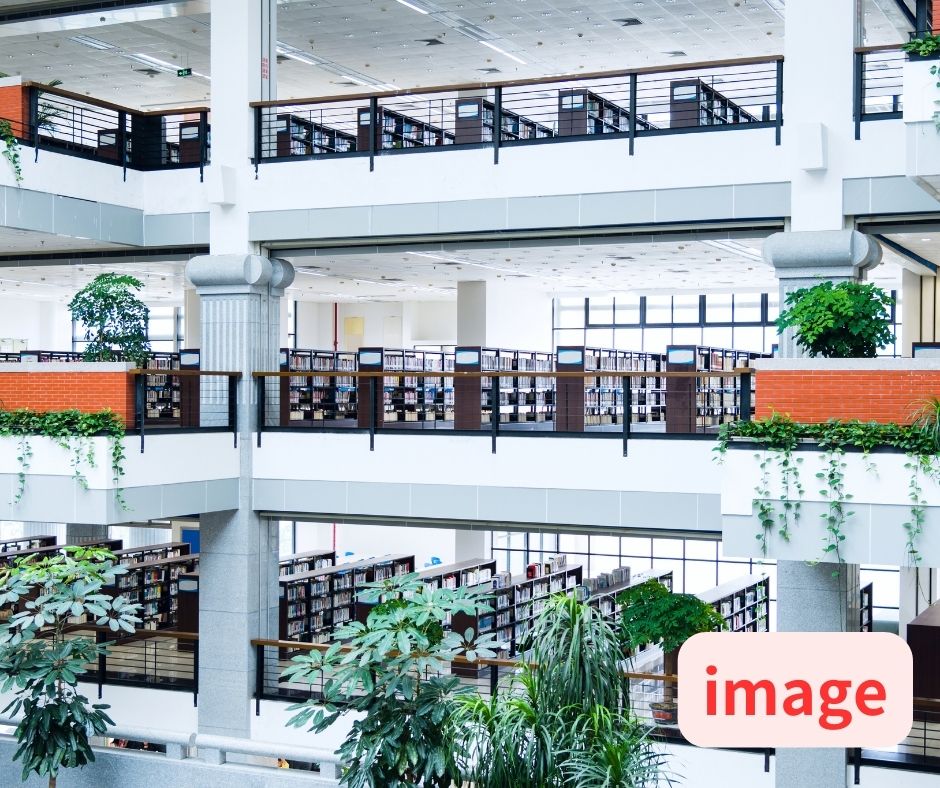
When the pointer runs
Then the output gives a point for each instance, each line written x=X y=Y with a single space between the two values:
x=14 y=241
x=432 y=273
x=381 y=41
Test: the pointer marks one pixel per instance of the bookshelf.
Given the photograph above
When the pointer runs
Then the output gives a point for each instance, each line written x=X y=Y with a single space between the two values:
x=476 y=121
x=136 y=555
x=394 y=131
x=45 y=356
x=25 y=544
x=472 y=572
x=693 y=102
x=604 y=588
x=187 y=614
x=316 y=398
x=154 y=584
x=866 y=611
x=582 y=112
x=162 y=392
x=298 y=136
x=314 y=603
x=703 y=404
x=9 y=556
x=743 y=603
x=300 y=563
x=438 y=391
x=533 y=396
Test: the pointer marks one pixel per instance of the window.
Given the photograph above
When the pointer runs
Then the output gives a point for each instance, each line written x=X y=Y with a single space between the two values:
x=658 y=310
x=164 y=330
x=685 y=309
x=718 y=308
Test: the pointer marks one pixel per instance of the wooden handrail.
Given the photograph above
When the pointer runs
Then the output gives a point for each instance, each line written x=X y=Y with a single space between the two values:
x=139 y=634
x=515 y=373
x=69 y=94
x=513 y=83
x=878 y=48
x=185 y=373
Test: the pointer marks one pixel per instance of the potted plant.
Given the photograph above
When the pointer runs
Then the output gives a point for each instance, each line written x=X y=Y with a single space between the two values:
x=42 y=666
x=924 y=47
x=115 y=320
x=844 y=320
x=651 y=614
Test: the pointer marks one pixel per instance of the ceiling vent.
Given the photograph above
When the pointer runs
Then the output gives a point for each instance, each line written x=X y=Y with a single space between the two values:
x=631 y=22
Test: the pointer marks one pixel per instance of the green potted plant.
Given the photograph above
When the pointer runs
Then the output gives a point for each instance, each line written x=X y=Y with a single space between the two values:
x=844 y=320
x=42 y=666
x=651 y=614
x=923 y=47
x=115 y=320
x=380 y=673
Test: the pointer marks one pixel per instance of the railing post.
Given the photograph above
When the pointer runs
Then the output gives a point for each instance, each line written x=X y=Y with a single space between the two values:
x=259 y=128
x=34 y=120
x=259 y=678
x=261 y=406
x=632 y=126
x=141 y=408
x=204 y=144
x=102 y=664
x=497 y=122
x=627 y=413
x=373 y=411
x=373 y=130
x=494 y=411
x=767 y=754
x=779 y=99
x=858 y=90
x=233 y=407
x=857 y=765
x=195 y=673
x=122 y=141
x=494 y=679
x=745 y=414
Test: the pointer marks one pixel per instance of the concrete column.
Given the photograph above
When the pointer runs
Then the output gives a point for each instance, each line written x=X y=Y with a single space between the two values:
x=471 y=313
x=239 y=550
x=192 y=320
x=500 y=314
x=471 y=544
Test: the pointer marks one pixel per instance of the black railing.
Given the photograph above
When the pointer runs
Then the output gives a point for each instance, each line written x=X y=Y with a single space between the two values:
x=879 y=84
x=734 y=94
x=77 y=125
x=920 y=751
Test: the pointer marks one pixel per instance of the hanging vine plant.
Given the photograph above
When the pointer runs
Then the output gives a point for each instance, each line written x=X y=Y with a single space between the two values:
x=11 y=150
x=778 y=435
x=72 y=430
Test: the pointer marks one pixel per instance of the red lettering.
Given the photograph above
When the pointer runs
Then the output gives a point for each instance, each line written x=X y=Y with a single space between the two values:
x=864 y=696
x=803 y=694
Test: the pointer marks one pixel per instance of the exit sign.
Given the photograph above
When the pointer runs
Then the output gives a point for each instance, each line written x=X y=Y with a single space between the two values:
x=184 y=72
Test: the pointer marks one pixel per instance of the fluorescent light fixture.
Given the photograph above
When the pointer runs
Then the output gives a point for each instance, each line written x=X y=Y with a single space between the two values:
x=413 y=7
x=94 y=43
x=153 y=62
x=356 y=80
x=736 y=248
x=501 y=51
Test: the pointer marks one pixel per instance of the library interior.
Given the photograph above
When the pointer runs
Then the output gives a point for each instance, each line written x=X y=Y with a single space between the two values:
x=362 y=360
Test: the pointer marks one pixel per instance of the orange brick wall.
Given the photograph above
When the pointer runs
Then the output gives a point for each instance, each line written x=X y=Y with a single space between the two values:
x=86 y=391
x=14 y=107
x=813 y=396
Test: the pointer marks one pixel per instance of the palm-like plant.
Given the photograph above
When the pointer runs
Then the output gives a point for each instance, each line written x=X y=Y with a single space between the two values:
x=563 y=720
x=927 y=419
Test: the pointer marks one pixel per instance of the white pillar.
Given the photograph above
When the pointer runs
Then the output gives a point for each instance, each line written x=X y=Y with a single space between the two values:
x=500 y=314
x=192 y=319
x=471 y=313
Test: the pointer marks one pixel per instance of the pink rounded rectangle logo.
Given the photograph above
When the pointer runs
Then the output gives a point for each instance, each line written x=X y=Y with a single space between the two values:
x=795 y=689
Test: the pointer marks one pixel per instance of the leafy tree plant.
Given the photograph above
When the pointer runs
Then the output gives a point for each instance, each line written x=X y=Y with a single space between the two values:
x=42 y=663
x=394 y=670
x=115 y=320
x=844 y=320
x=650 y=613
x=563 y=720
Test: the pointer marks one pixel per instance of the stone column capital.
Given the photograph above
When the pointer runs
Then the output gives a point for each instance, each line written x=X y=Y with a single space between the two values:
x=822 y=254
x=219 y=274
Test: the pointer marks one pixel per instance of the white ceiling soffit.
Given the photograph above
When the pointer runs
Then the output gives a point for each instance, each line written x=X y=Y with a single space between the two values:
x=100 y=18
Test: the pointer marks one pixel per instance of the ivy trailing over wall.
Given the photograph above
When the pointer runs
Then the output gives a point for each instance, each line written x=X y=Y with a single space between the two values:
x=11 y=150
x=73 y=431
x=779 y=436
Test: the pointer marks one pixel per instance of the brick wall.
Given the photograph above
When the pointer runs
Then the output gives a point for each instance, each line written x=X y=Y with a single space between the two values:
x=936 y=16
x=813 y=396
x=85 y=391
x=14 y=107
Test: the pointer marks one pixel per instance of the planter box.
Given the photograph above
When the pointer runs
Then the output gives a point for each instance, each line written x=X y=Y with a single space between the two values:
x=875 y=531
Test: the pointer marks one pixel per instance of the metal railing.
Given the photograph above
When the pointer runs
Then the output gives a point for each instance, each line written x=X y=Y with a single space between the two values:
x=200 y=398
x=724 y=95
x=920 y=750
x=78 y=125
x=612 y=403
x=879 y=84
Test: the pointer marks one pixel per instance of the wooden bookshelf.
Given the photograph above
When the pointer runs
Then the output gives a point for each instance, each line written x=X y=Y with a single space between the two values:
x=866 y=610
x=604 y=597
x=154 y=584
x=472 y=572
x=26 y=544
x=693 y=102
x=297 y=136
x=395 y=131
x=314 y=397
x=10 y=556
x=476 y=121
x=583 y=112
x=743 y=603
x=136 y=555
x=300 y=563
